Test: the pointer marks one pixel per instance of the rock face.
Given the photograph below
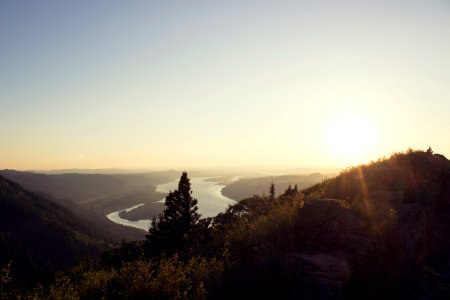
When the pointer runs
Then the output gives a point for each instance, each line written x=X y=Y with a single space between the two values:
x=326 y=224
x=325 y=275
x=331 y=239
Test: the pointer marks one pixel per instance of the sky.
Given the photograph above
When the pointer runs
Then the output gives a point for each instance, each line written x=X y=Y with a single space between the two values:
x=180 y=84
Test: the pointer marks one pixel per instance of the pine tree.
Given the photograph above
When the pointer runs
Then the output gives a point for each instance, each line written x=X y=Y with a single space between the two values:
x=288 y=191
x=272 y=191
x=175 y=226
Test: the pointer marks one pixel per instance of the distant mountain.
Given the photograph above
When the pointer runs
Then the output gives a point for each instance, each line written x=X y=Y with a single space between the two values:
x=85 y=187
x=37 y=234
x=247 y=187
x=91 y=171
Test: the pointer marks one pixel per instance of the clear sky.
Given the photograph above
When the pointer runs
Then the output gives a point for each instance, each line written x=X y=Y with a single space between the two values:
x=167 y=84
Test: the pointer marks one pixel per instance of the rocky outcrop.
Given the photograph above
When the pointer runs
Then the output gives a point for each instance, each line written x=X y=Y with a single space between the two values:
x=332 y=240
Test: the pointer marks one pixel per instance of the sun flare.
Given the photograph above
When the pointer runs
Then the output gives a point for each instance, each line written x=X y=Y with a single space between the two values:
x=350 y=137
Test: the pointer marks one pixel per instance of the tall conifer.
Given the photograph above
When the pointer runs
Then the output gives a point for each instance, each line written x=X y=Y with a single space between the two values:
x=175 y=226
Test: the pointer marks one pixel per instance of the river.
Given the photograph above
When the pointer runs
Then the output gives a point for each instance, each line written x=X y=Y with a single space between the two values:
x=208 y=193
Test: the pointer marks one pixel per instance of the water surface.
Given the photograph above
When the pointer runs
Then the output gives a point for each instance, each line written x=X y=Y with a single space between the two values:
x=141 y=224
x=208 y=193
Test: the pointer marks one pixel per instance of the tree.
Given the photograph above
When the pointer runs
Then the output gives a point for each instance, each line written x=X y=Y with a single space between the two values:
x=272 y=191
x=176 y=225
x=288 y=191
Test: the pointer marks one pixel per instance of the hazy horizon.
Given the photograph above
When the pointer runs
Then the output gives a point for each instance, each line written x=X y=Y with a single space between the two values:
x=195 y=172
x=177 y=85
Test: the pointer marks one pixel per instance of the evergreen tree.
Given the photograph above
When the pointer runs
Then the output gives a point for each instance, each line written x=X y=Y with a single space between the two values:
x=289 y=190
x=175 y=226
x=272 y=191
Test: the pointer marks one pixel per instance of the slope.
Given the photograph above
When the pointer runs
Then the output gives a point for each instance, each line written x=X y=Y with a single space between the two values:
x=92 y=196
x=39 y=235
x=396 y=233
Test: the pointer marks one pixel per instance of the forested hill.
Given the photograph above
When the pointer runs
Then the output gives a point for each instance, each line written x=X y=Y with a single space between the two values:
x=394 y=217
x=38 y=235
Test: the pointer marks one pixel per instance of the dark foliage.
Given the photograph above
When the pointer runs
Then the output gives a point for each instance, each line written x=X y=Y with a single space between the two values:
x=177 y=225
x=272 y=191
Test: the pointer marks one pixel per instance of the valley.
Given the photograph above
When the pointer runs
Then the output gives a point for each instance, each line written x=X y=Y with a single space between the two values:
x=377 y=221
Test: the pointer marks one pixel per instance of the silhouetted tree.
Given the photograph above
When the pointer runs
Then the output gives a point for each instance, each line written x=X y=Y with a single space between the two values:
x=272 y=191
x=289 y=190
x=176 y=225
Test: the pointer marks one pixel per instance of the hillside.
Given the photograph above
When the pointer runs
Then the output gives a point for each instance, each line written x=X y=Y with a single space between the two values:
x=95 y=191
x=391 y=219
x=375 y=231
x=247 y=187
x=38 y=235
x=92 y=196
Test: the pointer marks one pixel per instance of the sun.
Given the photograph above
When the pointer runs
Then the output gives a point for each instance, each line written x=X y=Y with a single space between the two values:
x=350 y=137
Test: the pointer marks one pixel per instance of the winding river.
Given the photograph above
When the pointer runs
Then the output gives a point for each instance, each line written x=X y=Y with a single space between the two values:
x=208 y=193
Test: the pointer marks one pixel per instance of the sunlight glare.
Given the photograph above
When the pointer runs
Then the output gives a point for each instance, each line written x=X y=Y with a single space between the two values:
x=350 y=137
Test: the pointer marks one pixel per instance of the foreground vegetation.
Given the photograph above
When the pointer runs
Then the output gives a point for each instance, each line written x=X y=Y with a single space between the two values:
x=375 y=231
